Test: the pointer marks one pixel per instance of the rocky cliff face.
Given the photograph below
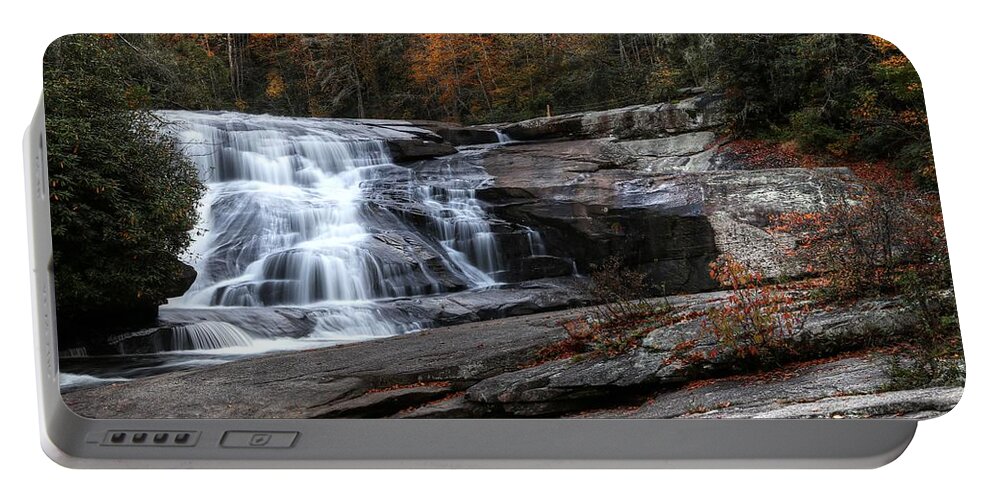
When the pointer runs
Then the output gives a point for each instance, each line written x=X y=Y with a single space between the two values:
x=668 y=202
x=632 y=122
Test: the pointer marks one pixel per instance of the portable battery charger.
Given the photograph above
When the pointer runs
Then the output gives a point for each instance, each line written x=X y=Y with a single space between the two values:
x=486 y=250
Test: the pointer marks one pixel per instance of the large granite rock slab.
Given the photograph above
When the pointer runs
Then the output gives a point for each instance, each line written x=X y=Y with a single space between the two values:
x=594 y=199
x=639 y=121
x=316 y=383
x=494 y=368
x=847 y=387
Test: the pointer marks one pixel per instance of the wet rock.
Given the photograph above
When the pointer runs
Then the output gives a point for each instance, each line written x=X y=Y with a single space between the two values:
x=404 y=150
x=305 y=384
x=465 y=136
x=593 y=199
x=689 y=152
x=759 y=250
x=417 y=375
x=749 y=395
x=449 y=407
x=187 y=276
x=259 y=322
x=915 y=403
x=753 y=196
x=656 y=225
x=867 y=323
x=516 y=300
x=459 y=135
x=849 y=387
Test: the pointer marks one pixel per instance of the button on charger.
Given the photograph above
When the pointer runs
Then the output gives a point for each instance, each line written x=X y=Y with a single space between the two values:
x=258 y=439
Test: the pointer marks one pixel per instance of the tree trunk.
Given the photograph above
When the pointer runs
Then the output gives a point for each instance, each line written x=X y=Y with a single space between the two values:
x=234 y=65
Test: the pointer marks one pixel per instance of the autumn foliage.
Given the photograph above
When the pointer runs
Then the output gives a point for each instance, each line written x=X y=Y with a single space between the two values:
x=887 y=238
x=756 y=323
x=622 y=314
x=842 y=94
x=866 y=241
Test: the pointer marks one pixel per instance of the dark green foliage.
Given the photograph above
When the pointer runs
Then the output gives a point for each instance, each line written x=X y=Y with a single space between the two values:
x=933 y=352
x=123 y=200
x=767 y=78
x=848 y=95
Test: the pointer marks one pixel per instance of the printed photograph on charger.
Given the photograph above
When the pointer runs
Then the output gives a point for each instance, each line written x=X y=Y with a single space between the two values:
x=496 y=226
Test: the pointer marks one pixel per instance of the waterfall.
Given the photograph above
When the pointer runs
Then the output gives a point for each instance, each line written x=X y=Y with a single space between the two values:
x=74 y=352
x=502 y=138
x=207 y=335
x=456 y=220
x=286 y=217
x=308 y=235
x=535 y=244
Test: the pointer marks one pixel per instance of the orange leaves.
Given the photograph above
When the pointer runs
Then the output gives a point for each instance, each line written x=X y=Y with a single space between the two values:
x=275 y=86
x=762 y=154
x=862 y=244
x=755 y=322
x=881 y=44
x=461 y=68
x=893 y=57
x=912 y=117
x=895 y=61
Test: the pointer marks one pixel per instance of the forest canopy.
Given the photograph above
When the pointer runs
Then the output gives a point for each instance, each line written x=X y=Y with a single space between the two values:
x=840 y=94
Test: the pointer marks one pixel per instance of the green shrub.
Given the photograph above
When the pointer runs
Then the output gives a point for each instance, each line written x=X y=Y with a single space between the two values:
x=933 y=356
x=123 y=199
x=812 y=132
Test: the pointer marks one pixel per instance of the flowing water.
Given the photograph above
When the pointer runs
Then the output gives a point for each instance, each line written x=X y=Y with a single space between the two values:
x=313 y=213
x=502 y=138
x=287 y=218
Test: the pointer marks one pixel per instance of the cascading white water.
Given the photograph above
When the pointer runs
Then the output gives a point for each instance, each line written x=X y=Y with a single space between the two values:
x=207 y=335
x=535 y=243
x=502 y=138
x=457 y=221
x=313 y=215
x=283 y=217
x=294 y=216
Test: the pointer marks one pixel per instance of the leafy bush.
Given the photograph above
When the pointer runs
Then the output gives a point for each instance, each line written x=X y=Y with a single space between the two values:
x=623 y=312
x=756 y=324
x=934 y=349
x=864 y=243
x=812 y=133
x=888 y=238
x=123 y=199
